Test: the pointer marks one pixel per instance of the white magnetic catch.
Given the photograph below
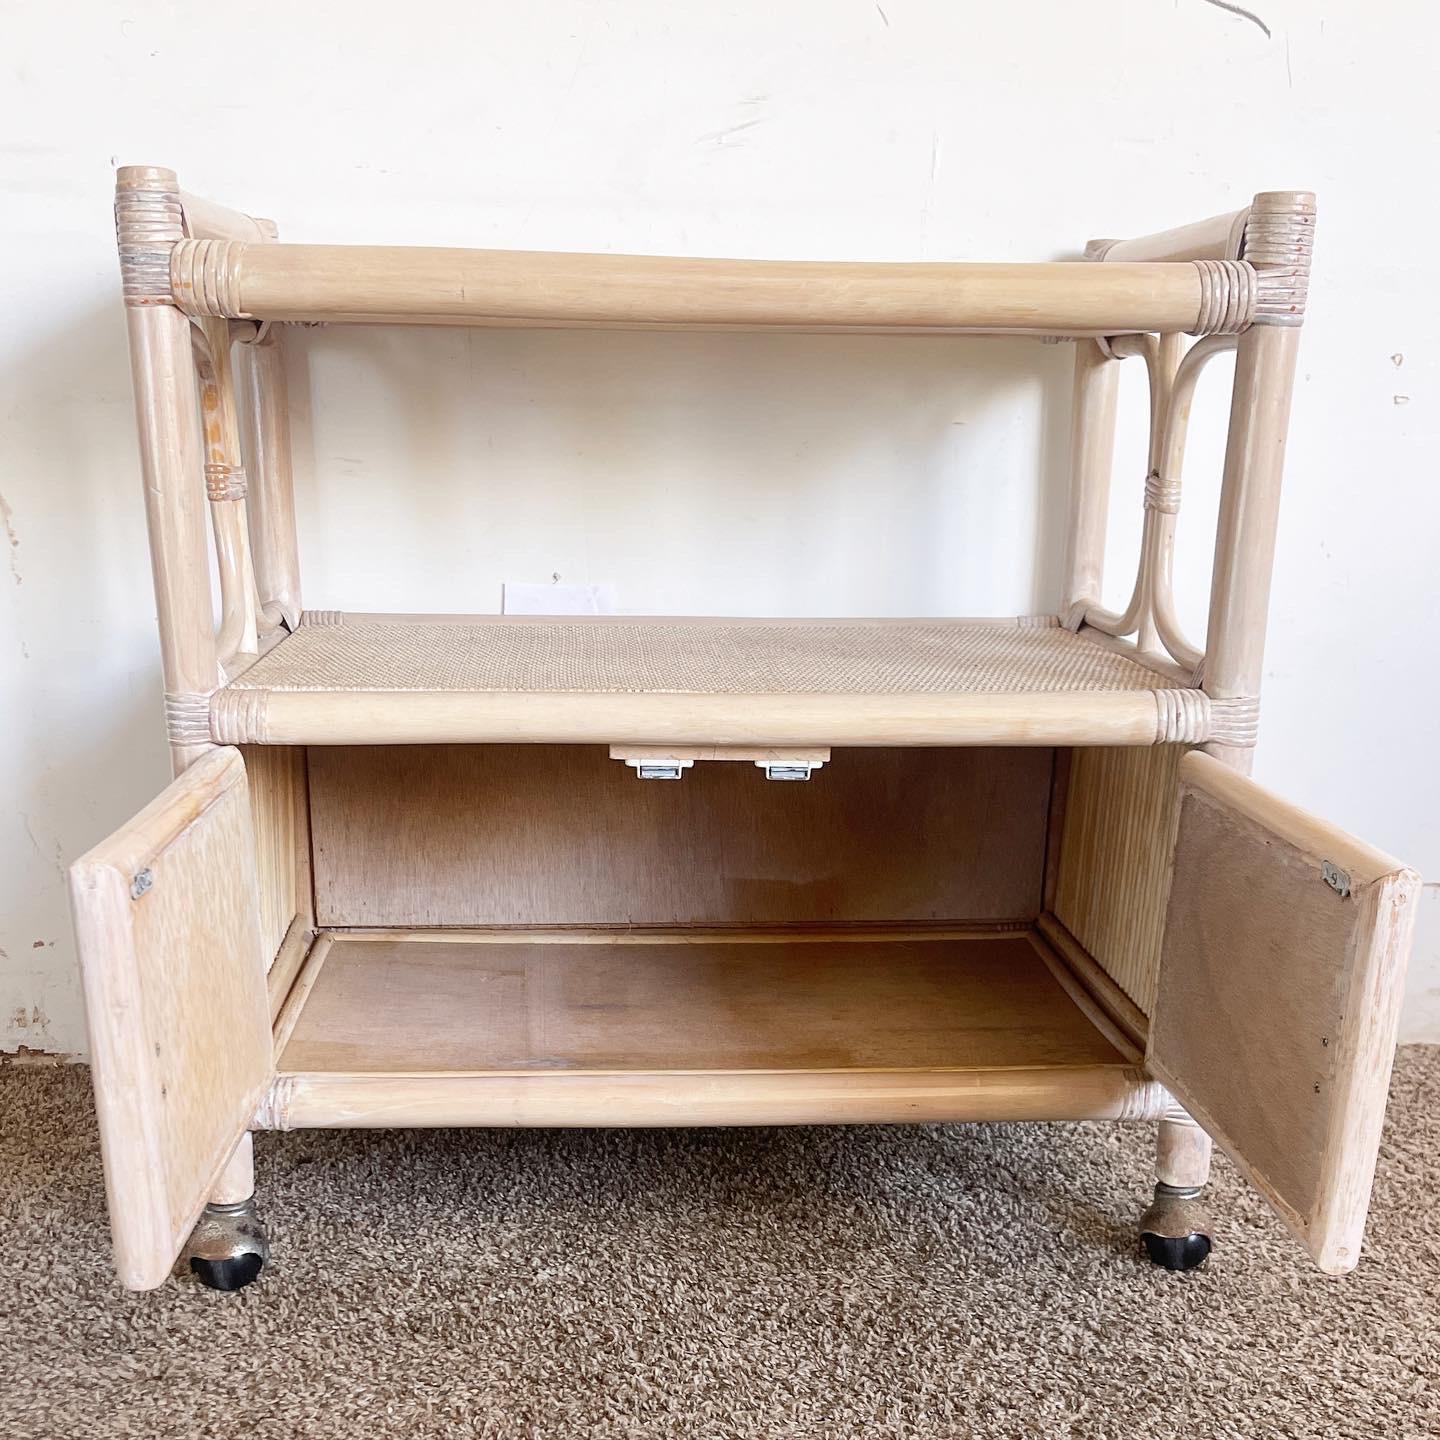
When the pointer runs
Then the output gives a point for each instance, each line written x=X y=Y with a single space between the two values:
x=788 y=769
x=660 y=769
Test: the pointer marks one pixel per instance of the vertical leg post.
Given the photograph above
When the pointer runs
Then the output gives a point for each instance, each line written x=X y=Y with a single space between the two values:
x=227 y=489
x=1092 y=451
x=228 y=1246
x=1279 y=236
x=1182 y=1157
x=148 y=223
x=1249 y=510
x=272 y=486
x=1176 y=1227
x=237 y=1179
x=1169 y=351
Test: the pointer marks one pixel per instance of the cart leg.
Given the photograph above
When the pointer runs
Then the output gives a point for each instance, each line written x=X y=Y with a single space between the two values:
x=228 y=1246
x=1176 y=1227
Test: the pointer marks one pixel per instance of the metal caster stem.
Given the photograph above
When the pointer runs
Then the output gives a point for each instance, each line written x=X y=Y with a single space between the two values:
x=1176 y=1228
x=228 y=1247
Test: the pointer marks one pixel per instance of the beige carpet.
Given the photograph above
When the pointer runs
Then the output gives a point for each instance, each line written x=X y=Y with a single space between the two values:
x=949 y=1281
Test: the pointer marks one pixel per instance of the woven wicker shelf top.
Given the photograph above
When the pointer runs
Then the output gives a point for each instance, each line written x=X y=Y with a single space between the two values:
x=639 y=656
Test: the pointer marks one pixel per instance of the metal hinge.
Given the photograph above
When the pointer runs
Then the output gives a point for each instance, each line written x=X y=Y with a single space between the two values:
x=141 y=883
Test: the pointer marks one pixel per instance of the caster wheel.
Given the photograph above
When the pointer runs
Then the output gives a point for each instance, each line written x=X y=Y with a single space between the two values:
x=232 y=1274
x=1176 y=1229
x=229 y=1248
x=1184 y=1253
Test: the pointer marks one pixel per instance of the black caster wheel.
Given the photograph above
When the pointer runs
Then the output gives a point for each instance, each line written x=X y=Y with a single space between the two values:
x=1172 y=1253
x=229 y=1248
x=1176 y=1229
x=231 y=1274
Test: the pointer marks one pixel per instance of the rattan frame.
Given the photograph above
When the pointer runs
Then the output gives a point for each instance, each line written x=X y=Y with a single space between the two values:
x=1239 y=281
x=208 y=291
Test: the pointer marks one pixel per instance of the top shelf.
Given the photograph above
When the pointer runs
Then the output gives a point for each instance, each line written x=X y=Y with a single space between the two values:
x=366 y=284
x=1216 y=276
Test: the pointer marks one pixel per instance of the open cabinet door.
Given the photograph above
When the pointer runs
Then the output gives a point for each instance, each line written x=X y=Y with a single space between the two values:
x=168 y=923
x=1281 y=972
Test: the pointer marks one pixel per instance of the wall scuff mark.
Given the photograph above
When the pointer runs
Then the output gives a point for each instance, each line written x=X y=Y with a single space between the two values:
x=7 y=516
x=1243 y=13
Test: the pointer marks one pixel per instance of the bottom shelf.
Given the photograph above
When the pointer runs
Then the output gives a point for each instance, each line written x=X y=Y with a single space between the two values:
x=577 y=1028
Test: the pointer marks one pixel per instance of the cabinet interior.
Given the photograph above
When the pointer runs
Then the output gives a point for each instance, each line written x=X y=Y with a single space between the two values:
x=485 y=912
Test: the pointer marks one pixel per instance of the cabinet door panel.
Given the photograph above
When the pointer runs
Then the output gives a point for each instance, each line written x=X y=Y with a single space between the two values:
x=1281 y=972
x=167 y=919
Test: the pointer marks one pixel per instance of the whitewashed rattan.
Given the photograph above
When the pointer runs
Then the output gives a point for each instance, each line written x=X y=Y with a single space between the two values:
x=1164 y=918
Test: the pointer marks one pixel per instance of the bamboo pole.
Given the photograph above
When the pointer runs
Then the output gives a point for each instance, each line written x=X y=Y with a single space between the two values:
x=1092 y=453
x=226 y=487
x=1249 y=511
x=205 y=220
x=795 y=1097
x=147 y=220
x=236 y=1182
x=1279 y=238
x=471 y=287
x=1215 y=238
x=274 y=541
x=1279 y=235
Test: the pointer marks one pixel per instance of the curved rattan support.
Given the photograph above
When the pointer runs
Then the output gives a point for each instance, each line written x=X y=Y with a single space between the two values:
x=1132 y=618
x=225 y=486
x=270 y=508
x=1150 y=614
x=1162 y=502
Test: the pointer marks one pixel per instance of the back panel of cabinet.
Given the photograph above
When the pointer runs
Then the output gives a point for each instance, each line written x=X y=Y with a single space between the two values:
x=526 y=835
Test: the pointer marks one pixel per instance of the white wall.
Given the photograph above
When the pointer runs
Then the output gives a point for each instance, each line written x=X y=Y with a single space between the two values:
x=728 y=474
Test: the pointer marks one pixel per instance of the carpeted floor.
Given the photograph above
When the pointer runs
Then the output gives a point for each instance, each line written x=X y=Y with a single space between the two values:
x=949 y=1281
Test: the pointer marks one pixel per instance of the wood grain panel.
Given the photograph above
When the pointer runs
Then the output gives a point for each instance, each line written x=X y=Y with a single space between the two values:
x=1114 y=872
x=560 y=835
x=169 y=937
x=279 y=809
x=399 y=1006
x=1275 y=1017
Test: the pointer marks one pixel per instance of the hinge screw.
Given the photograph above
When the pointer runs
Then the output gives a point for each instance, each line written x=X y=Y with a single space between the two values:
x=141 y=883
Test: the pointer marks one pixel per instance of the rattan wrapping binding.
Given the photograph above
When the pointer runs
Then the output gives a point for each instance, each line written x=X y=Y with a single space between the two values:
x=736 y=657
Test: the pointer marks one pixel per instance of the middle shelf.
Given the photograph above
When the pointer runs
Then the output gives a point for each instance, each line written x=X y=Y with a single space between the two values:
x=360 y=679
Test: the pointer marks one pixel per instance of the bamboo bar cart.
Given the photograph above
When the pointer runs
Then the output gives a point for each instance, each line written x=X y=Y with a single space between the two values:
x=406 y=873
